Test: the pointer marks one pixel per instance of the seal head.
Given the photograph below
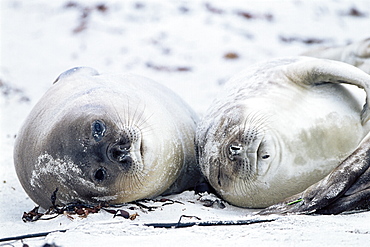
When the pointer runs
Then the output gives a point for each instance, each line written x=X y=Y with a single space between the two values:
x=106 y=138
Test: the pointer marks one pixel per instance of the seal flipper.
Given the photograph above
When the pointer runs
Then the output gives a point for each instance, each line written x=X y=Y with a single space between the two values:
x=312 y=71
x=356 y=197
x=365 y=113
x=356 y=54
x=77 y=71
x=346 y=188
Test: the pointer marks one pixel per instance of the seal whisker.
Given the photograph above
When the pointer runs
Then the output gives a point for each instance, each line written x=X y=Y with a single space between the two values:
x=137 y=180
x=244 y=186
x=257 y=121
x=129 y=117
x=135 y=116
x=145 y=129
x=120 y=121
x=140 y=179
x=141 y=122
x=138 y=118
x=132 y=181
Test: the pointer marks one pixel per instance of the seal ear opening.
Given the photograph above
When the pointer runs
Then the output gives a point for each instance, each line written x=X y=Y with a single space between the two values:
x=313 y=71
x=77 y=72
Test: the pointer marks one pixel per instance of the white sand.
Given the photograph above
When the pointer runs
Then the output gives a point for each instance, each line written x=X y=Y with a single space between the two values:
x=40 y=39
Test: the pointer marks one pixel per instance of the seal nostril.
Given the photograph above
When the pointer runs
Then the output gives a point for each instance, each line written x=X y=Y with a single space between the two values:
x=235 y=149
x=124 y=160
x=235 y=152
x=100 y=174
x=120 y=154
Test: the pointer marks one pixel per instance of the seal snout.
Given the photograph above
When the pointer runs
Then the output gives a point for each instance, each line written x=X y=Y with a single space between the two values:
x=126 y=151
x=243 y=153
x=120 y=153
x=237 y=152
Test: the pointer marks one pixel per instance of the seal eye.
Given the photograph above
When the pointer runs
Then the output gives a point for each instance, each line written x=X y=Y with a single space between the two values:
x=98 y=130
x=100 y=174
x=266 y=156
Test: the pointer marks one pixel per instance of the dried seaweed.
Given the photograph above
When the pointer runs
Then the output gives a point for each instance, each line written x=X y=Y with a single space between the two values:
x=180 y=224
x=85 y=13
x=168 y=68
x=8 y=90
x=146 y=208
x=231 y=55
x=32 y=235
x=308 y=41
x=354 y=12
x=211 y=203
x=250 y=16
x=213 y=9
x=82 y=210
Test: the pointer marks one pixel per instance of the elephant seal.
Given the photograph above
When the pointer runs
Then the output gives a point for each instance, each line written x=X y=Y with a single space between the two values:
x=281 y=126
x=106 y=138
